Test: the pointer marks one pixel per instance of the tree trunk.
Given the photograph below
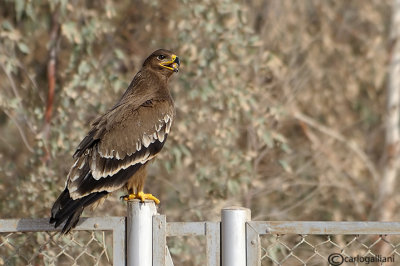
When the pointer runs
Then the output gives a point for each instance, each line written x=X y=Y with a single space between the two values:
x=385 y=203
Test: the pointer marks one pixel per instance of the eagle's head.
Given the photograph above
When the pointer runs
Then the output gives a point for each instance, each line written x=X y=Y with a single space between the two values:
x=163 y=61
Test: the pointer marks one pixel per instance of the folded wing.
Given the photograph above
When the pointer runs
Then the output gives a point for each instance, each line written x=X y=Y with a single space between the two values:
x=118 y=144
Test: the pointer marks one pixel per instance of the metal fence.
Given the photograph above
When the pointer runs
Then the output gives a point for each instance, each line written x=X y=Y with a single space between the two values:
x=141 y=239
x=95 y=241
x=323 y=243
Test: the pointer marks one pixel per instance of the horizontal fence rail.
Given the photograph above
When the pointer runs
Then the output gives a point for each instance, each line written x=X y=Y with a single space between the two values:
x=326 y=228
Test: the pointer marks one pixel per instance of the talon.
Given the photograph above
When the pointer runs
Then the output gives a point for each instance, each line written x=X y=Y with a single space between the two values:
x=128 y=197
x=142 y=196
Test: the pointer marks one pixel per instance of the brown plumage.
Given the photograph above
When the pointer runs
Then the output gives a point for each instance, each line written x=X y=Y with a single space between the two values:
x=120 y=143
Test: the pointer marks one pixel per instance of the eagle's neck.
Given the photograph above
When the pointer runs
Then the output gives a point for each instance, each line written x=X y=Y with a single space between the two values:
x=147 y=85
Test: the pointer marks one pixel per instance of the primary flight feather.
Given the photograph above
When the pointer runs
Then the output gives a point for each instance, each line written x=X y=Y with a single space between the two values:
x=121 y=142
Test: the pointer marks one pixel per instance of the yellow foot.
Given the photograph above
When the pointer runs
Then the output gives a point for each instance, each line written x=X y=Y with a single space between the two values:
x=142 y=196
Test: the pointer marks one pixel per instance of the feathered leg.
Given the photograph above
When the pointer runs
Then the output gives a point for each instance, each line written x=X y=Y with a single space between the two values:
x=135 y=187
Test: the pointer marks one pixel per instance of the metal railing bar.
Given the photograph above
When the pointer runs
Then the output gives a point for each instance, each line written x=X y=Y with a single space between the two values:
x=42 y=224
x=213 y=247
x=186 y=228
x=168 y=259
x=326 y=228
x=233 y=235
x=139 y=236
x=253 y=246
x=159 y=240
x=119 y=243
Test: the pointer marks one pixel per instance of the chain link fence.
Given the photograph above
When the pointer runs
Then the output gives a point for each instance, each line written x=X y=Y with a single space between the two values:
x=95 y=241
x=323 y=243
x=50 y=248
x=292 y=250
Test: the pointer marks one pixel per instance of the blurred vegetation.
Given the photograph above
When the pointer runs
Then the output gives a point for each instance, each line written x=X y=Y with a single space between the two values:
x=280 y=104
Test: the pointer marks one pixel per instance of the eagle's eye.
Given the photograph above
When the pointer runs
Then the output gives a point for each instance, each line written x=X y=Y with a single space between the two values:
x=161 y=57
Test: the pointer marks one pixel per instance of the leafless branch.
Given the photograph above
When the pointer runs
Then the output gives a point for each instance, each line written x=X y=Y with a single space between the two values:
x=51 y=77
x=51 y=66
x=339 y=137
x=12 y=83
x=14 y=89
x=20 y=130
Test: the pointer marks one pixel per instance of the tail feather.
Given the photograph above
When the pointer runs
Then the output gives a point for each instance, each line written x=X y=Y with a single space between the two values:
x=72 y=221
x=59 y=204
x=67 y=209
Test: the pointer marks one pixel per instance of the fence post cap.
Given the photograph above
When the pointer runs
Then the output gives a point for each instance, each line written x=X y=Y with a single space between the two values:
x=139 y=201
x=236 y=208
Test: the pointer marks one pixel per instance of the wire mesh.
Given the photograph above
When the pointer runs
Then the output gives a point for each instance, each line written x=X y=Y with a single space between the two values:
x=292 y=250
x=51 y=248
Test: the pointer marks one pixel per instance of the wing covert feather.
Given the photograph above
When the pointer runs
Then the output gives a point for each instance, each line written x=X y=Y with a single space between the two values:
x=119 y=142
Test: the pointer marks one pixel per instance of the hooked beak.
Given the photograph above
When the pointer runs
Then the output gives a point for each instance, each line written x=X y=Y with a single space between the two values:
x=173 y=64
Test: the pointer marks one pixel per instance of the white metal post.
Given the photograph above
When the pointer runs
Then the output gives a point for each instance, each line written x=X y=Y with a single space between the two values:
x=139 y=232
x=233 y=235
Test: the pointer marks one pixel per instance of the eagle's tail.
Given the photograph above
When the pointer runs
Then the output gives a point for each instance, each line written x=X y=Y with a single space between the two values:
x=66 y=208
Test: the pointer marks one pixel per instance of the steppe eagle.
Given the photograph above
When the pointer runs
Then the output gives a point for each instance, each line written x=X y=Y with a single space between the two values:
x=121 y=142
